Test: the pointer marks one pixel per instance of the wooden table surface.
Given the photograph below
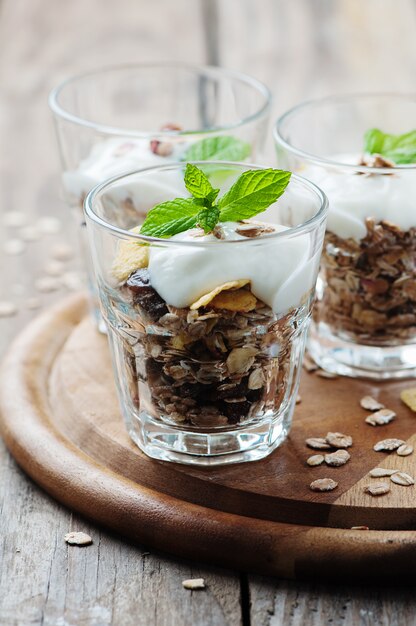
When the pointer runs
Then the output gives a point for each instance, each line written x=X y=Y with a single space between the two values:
x=302 y=48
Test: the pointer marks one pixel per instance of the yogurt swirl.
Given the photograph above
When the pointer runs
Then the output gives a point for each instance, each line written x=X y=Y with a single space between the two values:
x=353 y=197
x=280 y=270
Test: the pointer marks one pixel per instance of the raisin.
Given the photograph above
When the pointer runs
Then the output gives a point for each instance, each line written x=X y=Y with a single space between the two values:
x=147 y=298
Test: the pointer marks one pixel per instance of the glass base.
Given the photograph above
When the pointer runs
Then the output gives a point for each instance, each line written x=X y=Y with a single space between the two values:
x=165 y=443
x=357 y=360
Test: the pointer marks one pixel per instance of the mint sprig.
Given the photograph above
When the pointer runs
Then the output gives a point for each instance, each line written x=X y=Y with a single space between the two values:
x=252 y=193
x=222 y=148
x=401 y=149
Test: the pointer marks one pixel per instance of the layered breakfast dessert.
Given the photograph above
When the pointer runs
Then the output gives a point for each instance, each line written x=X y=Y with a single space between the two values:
x=118 y=155
x=212 y=332
x=369 y=257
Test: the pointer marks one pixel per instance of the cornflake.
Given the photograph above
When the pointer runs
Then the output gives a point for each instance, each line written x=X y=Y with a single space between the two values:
x=408 y=396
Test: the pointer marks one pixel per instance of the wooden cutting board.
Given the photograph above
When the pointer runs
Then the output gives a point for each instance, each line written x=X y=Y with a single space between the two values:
x=61 y=421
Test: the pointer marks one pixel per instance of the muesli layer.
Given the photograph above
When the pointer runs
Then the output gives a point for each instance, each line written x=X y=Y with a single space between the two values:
x=370 y=285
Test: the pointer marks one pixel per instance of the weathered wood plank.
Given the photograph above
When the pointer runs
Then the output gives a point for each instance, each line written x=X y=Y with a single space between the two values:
x=285 y=603
x=45 y=581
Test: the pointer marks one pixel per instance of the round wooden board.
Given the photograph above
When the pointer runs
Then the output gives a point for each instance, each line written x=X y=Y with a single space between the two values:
x=61 y=421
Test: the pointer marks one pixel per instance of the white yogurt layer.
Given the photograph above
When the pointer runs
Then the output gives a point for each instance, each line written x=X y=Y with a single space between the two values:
x=280 y=270
x=113 y=157
x=354 y=197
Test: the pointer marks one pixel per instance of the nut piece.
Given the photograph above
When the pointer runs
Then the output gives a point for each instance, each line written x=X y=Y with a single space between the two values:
x=339 y=440
x=317 y=443
x=315 y=459
x=323 y=484
x=78 y=539
x=408 y=396
x=401 y=478
x=380 y=418
x=194 y=583
x=386 y=445
x=338 y=458
x=371 y=404
x=377 y=489
x=378 y=472
x=405 y=450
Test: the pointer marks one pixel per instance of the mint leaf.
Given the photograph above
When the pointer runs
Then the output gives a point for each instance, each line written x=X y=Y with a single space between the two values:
x=198 y=184
x=398 y=148
x=223 y=148
x=208 y=218
x=252 y=193
x=171 y=217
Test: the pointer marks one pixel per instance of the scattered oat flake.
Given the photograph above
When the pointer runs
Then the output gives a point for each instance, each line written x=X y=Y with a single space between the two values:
x=30 y=233
x=14 y=219
x=49 y=225
x=339 y=440
x=371 y=404
x=325 y=374
x=338 y=458
x=315 y=459
x=317 y=443
x=323 y=484
x=194 y=583
x=7 y=309
x=78 y=539
x=33 y=303
x=62 y=252
x=405 y=450
x=377 y=489
x=379 y=472
x=14 y=247
x=360 y=528
x=45 y=284
x=401 y=478
x=72 y=281
x=386 y=445
x=298 y=399
x=54 y=268
x=408 y=396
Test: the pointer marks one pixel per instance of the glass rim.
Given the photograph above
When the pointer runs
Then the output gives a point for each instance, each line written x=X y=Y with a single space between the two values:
x=365 y=169
x=304 y=227
x=208 y=70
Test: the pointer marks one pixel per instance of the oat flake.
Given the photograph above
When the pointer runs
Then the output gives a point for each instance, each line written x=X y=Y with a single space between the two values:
x=194 y=583
x=315 y=459
x=377 y=489
x=371 y=404
x=323 y=484
x=401 y=478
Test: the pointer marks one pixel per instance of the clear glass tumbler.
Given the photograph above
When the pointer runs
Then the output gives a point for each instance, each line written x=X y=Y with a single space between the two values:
x=365 y=318
x=120 y=119
x=207 y=334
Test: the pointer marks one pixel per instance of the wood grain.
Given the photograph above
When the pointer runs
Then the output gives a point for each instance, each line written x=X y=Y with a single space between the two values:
x=301 y=49
x=83 y=478
x=85 y=409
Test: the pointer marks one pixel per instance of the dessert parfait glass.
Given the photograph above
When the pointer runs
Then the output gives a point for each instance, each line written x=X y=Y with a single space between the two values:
x=120 y=119
x=365 y=317
x=206 y=332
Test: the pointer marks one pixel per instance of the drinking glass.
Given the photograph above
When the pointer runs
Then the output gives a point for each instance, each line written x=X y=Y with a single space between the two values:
x=213 y=381
x=365 y=319
x=119 y=119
